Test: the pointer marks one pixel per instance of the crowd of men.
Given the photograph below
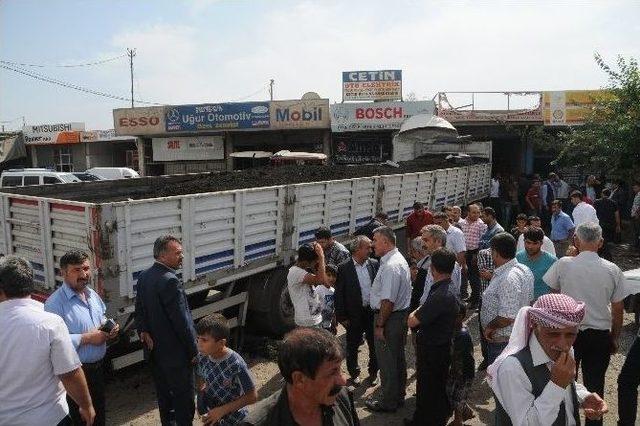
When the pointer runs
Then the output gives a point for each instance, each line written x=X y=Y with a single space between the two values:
x=547 y=306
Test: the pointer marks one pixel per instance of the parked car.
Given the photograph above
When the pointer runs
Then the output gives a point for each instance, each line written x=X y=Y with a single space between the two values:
x=86 y=177
x=111 y=173
x=34 y=176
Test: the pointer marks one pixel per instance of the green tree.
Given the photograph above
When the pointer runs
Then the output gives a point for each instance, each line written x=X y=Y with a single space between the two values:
x=610 y=138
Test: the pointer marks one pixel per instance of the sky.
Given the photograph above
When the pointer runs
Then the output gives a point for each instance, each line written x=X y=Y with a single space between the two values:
x=211 y=51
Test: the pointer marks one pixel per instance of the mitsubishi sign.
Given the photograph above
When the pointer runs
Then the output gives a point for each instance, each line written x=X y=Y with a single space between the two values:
x=46 y=134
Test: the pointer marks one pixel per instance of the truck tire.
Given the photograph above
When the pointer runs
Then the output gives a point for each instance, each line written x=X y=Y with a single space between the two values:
x=278 y=317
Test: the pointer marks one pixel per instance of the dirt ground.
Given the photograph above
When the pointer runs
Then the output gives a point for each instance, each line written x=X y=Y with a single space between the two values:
x=131 y=396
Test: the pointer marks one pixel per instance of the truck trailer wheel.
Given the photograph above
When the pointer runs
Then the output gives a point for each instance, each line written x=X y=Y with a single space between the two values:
x=277 y=318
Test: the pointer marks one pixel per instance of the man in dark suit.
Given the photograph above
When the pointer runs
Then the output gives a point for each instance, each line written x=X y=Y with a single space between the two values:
x=353 y=288
x=165 y=326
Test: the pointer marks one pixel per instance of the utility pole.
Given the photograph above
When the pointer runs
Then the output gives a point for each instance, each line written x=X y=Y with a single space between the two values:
x=271 y=82
x=131 y=53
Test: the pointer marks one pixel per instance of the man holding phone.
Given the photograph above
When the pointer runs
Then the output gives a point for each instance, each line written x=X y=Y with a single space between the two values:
x=83 y=312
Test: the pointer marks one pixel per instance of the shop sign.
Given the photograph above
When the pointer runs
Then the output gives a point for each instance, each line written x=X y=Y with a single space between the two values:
x=46 y=134
x=375 y=115
x=139 y=121
x=188 y=148
x=384 y=85
x=227 y=116
x=300 y=114
x=569 y=107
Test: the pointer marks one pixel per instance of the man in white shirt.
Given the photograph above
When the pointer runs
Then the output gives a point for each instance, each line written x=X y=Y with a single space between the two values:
x=455 y=239
x=533 y=380
x=547 y=244
x=389 y=299
x=582 y=212
x=37 y=357
x=600 y=284
x=307 y=307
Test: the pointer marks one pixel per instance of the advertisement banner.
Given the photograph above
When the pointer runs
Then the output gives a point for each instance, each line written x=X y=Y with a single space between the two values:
x=102 y=136
x=300 y=114
x=189 y=118
x=47 y=134
x=568 y=107
x=139 y=121
x=384 y=85
x=188 y=148
x=491 y=116
x=376 y=115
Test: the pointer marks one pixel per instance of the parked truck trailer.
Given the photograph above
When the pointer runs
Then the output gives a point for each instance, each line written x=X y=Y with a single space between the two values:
x=238 y=244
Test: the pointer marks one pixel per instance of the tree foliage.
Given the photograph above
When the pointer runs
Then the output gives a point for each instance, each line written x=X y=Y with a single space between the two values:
x=610 y=138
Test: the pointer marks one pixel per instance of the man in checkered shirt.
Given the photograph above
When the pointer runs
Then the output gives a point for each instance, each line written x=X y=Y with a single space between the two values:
x=225 y=383
x=485 y=268
x=510 y=289
x=473 y=228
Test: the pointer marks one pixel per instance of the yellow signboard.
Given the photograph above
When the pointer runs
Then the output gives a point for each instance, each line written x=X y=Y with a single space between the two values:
x=568 y=107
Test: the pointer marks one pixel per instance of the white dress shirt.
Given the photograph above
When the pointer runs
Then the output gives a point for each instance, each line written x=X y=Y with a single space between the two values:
x=547 y=244
x=393 y=282
x=36 y=348
x=513 y=389
x=456 y=280
x=584 y=212
x=592 y=280
x=364 y=279
x=455 y=239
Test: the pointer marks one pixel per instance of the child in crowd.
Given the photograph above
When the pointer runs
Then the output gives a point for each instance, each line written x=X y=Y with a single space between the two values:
x=462 y=370
x=225 y=382
x=327 y=299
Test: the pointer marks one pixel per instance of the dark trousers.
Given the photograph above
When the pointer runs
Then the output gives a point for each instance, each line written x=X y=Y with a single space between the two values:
x=94 y=373
x=432 y=403
x=391 y=359
x=592 y=349
x=175 y=389
x=608 y=236
x=628 y=382
x=65 y=422
x=357 y=327
x=473 y=275
x=483 y=340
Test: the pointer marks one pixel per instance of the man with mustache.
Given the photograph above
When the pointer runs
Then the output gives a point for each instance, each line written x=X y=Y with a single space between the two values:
x=83 y=312
x=314 y=394
x=533 y=380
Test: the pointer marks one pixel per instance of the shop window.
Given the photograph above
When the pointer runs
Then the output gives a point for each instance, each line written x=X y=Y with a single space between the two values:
x=63 y=159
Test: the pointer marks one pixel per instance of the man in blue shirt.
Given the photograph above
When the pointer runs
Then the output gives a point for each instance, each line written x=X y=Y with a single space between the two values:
x=83 y=313
x=493 y=227
x=536 y=259
x=562 y=228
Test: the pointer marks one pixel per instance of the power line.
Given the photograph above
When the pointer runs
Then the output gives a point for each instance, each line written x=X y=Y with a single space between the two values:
x=71 y=85
x=88 y=64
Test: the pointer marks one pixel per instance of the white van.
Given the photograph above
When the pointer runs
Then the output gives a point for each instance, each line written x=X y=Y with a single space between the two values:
x=111 y=173
x=34 y=176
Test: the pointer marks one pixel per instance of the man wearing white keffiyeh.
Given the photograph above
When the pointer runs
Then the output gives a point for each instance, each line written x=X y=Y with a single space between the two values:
x=533 y=380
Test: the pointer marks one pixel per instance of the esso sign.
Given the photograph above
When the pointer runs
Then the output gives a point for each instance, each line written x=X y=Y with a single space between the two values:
x=139 y=121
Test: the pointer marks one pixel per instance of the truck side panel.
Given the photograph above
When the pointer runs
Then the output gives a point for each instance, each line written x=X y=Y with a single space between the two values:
x=219 y=232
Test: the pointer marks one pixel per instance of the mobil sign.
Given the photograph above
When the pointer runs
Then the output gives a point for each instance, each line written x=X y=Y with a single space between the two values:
x=139 y=121
x=299 y=114
x=375 y=115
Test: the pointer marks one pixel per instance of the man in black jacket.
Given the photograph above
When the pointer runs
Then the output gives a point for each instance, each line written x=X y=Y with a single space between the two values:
x=353 y=288
x=165 y=326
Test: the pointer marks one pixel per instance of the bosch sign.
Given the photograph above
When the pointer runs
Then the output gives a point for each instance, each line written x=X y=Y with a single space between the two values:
x=376 y=115
x=139 y=121
x=387 y=113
